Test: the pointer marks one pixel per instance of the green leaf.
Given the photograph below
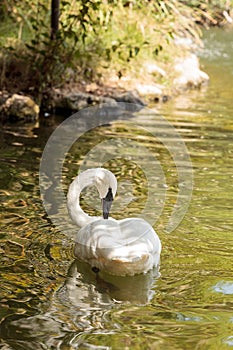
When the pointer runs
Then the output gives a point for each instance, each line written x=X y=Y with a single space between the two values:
x=136 y=50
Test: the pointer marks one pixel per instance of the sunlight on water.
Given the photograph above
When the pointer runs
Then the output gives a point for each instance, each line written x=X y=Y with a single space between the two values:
x=50 y=301
x=224 y=287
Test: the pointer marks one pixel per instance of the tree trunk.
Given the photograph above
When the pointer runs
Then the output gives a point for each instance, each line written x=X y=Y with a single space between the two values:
x=55 y=13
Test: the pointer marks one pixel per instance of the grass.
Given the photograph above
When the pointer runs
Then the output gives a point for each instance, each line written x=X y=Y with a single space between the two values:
x=111 y=39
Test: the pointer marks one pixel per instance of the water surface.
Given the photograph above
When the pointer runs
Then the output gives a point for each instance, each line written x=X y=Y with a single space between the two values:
x=50 y=301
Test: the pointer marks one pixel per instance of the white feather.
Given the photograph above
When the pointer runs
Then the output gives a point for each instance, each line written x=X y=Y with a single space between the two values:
x=120 y=247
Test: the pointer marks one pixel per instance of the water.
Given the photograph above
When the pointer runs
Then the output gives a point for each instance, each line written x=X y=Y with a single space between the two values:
x=50 y=301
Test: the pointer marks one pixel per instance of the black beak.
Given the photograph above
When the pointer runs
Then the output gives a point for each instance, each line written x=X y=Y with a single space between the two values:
x=107 y=202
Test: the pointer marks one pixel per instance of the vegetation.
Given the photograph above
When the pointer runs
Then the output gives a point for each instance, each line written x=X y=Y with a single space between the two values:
x=93 y=37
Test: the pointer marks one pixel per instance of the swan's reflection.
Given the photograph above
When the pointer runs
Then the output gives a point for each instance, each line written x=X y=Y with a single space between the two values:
x=135 y=289
x=78 y=307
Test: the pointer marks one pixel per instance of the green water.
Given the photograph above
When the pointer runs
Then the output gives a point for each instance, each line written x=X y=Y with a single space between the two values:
x=50 y=301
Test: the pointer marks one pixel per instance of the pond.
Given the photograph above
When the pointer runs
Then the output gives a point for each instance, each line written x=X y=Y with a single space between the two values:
x=174 y=164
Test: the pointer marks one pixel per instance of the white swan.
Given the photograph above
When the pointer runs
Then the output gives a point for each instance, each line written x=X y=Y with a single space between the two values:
x=119 y=247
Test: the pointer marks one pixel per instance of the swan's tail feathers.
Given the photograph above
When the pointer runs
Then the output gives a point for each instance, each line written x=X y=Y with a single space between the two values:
x=132 y=259
x=132 y=265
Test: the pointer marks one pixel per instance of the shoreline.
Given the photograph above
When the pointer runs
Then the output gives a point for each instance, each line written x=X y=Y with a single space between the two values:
x=74 y=97
x=39 y=81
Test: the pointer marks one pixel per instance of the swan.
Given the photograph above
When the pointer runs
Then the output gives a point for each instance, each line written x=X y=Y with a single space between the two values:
x=119 y=247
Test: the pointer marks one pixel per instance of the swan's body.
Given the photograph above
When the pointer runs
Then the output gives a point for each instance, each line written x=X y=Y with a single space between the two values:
x=120 y=247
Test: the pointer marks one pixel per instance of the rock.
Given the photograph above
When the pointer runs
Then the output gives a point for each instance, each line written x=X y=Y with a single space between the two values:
x=153 y=69
x=75 y=101
x=154 y=90
x=129 y=97
x=189 y=73
x=228 y=16
x=3 y=97
x=18 y=107
x=71 y=102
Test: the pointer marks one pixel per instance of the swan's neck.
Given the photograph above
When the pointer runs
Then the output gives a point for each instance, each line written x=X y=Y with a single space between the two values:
x=76 y=213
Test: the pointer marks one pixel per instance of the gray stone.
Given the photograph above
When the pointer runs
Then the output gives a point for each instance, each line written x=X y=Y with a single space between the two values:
x=75 y=101
x=129 y=97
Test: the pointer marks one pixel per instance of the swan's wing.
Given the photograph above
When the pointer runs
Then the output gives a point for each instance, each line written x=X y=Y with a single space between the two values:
x=97 y=239
x=122 y=247
x=140 y=236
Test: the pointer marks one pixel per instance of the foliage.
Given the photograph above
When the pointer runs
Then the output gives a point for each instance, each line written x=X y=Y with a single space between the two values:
x=209 y=12
x=47 y=58
x=93 y=35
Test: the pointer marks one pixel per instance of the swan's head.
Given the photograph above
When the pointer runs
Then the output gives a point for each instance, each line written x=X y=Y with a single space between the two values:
x=106 y=185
